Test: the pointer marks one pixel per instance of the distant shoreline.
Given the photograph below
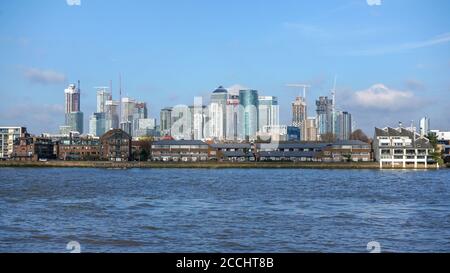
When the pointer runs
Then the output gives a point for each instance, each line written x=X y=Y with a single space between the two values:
x=202 y=165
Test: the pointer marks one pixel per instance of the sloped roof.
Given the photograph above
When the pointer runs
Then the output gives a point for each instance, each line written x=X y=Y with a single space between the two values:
x=380 y=132
x=393 y=132
x=220 y=89
x=350 y=142
x=179 y=142
x=113 y=132
x=296 y=145
x=423 y=143
x=231 y=145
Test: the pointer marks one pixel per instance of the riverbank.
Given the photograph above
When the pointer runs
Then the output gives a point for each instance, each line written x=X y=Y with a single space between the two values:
x=203 y=165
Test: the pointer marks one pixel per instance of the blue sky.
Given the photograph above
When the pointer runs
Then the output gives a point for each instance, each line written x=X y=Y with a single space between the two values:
x=392 y=57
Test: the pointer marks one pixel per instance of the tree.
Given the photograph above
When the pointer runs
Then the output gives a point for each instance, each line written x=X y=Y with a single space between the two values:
x=144 y=155
x=358 y=134
x=433 y=140
x=437 y=156
x=348 y=157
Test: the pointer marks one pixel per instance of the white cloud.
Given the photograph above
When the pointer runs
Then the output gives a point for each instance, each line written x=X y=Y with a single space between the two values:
x=43 y=76
x=382 y=97
x=73 y=2
x=374 y=2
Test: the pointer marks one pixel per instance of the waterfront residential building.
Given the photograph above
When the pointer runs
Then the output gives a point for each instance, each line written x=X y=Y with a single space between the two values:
x=299 y=115
x=400 y=147
x=30 y=148
x=232 y=152
x=75 y=147
x=248 y=100
x=115 y=145
x=73 y=114
x=290 y=151
x=347 y=150
x=180 y=150
x=268 y=111
x=8 y=135
x=324 y=115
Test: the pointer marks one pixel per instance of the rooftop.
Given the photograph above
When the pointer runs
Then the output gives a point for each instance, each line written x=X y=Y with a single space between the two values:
x=179 y=142
x=220 y=89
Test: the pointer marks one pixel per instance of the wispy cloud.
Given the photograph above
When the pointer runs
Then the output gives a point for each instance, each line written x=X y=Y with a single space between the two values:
x=43 y=76
x=440 y=39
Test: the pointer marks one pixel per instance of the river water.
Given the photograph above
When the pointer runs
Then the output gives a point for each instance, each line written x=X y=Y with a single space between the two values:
x=224 y=210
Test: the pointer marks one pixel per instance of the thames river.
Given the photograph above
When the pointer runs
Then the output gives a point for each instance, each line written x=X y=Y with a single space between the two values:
x=224 y=210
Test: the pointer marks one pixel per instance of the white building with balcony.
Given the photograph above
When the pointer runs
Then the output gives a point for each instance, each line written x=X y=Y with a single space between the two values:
x=400 y=147
x=7 y=137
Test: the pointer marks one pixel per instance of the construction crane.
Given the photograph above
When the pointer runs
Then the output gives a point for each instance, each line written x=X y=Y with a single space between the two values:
x=300 y=85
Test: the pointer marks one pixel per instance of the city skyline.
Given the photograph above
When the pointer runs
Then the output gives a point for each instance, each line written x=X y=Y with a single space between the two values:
x=401 y=70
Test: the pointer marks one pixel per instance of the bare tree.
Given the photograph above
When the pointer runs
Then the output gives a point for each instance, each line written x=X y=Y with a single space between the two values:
x=358 y=134
x=328 y=137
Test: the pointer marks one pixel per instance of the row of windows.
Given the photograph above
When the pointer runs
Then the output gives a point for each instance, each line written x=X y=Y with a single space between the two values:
x=180 y=146
x=79 y=148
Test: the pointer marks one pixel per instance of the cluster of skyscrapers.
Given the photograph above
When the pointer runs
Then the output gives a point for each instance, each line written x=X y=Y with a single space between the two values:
x=229 y=116
x=126 y=113
x=246 y=115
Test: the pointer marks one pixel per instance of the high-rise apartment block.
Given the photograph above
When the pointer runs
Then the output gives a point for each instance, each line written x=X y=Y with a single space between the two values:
x=73 y=114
